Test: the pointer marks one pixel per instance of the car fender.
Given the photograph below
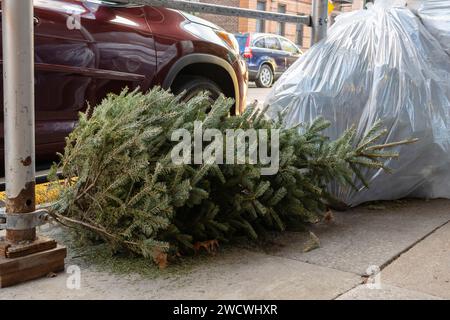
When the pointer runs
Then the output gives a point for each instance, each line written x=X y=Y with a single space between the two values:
x=202 y=58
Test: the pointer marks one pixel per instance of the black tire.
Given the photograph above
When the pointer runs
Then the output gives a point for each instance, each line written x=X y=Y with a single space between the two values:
x=265 y=77
x=193 y=85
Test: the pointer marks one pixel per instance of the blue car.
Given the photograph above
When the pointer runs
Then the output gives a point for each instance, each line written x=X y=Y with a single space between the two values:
x=267 y=56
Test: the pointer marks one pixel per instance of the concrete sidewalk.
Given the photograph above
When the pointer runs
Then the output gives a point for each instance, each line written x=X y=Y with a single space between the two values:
x=408 y=240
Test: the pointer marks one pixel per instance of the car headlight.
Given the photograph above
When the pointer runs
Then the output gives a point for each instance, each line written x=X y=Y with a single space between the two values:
x=215 y=35
x=229 y=39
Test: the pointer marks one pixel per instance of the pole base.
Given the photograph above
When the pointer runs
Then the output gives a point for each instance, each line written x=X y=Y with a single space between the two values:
x=20 y=263
x=17 y=250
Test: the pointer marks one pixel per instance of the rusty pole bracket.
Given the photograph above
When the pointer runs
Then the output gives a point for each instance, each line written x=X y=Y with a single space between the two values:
x=23 y=221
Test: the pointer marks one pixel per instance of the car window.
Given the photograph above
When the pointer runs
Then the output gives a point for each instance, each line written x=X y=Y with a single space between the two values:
x=288 y=46
x=260 y=43
x=272 y=43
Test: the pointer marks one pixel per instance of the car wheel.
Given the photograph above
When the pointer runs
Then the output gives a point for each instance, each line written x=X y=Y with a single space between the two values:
x=192 y=86
x=265 y=77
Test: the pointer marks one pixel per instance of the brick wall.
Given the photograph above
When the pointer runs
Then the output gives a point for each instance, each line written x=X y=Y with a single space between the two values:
x=356 y=5
x=236 y=24
x=231 y=24
x=292 y=7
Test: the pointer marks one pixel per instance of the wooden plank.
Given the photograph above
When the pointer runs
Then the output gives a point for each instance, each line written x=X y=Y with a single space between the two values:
x=3 y=248
x=21 y=250
x=35 y=260
x=18 y=270
x=31 y=273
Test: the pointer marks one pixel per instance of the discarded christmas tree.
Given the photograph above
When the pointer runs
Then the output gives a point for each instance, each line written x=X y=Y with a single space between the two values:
x=122 y=186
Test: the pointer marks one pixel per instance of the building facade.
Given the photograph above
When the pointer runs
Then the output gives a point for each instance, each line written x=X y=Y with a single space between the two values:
x=300 y=35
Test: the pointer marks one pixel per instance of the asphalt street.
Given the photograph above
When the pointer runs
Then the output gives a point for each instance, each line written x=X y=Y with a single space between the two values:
x=258 y=94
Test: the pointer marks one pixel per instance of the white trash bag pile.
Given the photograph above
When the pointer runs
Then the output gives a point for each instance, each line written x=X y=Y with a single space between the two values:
x=390 y=62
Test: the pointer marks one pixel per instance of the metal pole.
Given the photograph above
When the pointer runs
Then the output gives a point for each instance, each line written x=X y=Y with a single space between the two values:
x=319 y=20
x=18 y=83
x=225 y=10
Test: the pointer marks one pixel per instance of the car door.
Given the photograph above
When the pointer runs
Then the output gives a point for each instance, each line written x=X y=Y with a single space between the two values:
x=61 y=88
x=259 y=46
x=83 y=51
x=124 y=46
x=291 y=51
x=273 y=44
x=64 y=57
x=259 y=55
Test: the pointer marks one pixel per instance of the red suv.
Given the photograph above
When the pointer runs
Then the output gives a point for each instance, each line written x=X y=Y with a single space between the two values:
x=87 y=49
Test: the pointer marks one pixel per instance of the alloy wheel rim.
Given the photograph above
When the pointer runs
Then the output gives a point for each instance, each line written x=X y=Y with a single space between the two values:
x=266 y=77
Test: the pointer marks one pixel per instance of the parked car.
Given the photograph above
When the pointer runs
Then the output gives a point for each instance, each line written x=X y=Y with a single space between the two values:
x=267 y=56
x=87 y=49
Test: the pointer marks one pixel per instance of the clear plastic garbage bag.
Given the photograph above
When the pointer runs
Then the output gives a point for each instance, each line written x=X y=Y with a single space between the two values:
x=380 y=63
x=435 y=15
